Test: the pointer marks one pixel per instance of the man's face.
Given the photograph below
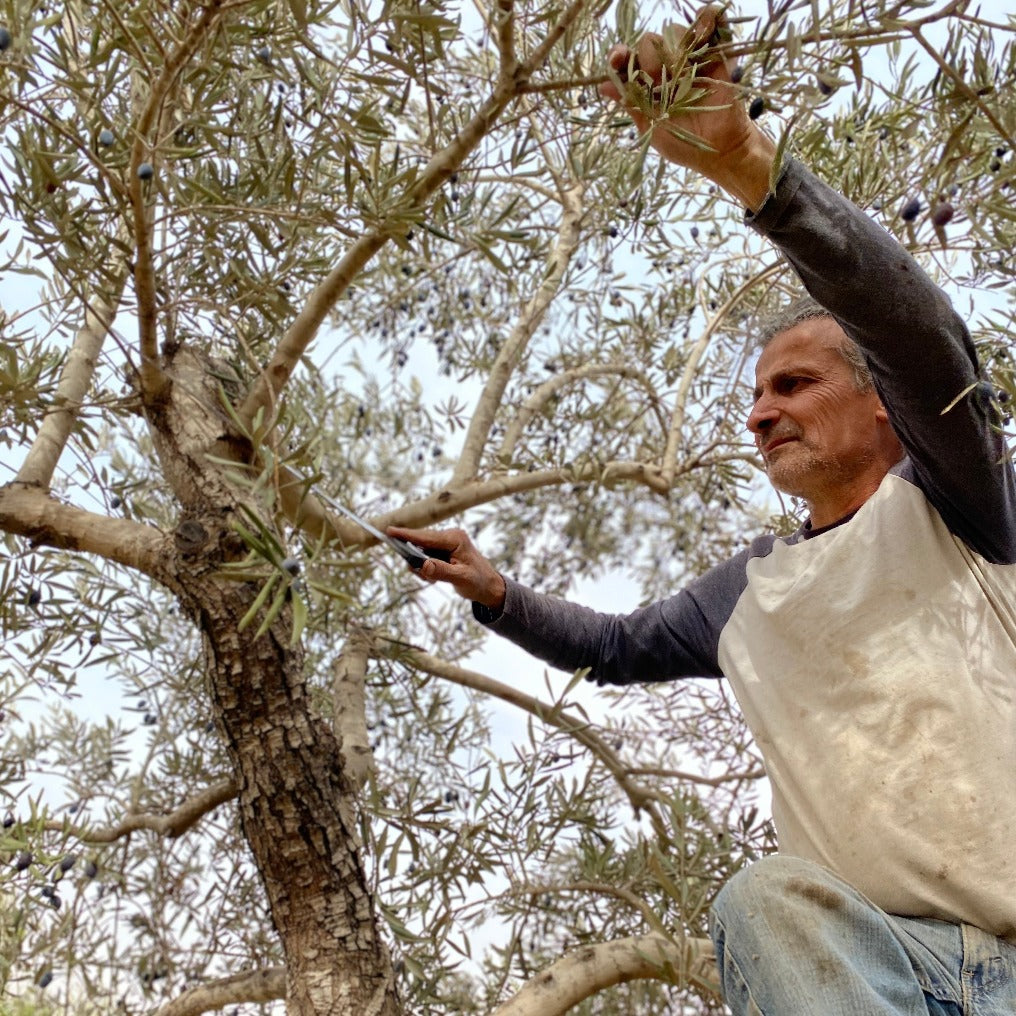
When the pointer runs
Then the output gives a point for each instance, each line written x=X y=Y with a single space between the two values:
x=819 y=436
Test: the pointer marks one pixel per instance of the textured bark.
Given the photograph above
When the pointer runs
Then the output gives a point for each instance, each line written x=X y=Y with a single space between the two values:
x=296 y=797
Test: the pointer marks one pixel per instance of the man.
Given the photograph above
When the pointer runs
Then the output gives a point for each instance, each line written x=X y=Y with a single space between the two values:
x=874 y=652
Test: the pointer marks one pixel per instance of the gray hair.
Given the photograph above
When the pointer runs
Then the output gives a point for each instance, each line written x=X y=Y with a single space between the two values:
x=804 y=308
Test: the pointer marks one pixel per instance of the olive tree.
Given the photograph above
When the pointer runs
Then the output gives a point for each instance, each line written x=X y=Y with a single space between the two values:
x=262 y=257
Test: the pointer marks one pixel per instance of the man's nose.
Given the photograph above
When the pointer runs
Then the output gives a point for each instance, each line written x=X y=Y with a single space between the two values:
x=762 y=416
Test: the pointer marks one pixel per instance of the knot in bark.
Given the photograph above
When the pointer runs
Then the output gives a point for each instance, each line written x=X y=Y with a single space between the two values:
x=190 y=537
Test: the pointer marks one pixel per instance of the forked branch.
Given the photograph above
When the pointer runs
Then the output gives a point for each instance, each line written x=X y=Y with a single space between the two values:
x=509 y=83
x=545 y=392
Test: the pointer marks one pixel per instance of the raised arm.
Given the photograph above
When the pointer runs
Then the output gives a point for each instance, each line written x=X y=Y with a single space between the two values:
x=919 y=351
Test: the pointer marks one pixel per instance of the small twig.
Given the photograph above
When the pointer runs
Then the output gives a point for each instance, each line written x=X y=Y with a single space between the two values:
x=961 y=85
x=708 y=781
x=637 y=903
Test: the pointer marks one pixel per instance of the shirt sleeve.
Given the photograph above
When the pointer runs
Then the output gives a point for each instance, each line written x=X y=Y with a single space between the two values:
x=918 y=349
x=676 y=637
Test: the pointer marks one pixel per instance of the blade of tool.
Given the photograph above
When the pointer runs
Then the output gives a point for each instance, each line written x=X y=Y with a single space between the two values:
x=410 y=552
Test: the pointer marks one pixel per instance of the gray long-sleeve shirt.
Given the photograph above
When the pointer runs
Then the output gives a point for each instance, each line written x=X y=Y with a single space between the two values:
x=875 y=660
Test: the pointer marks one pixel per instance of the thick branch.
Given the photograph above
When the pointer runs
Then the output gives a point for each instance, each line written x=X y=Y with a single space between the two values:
x=349 y=698
x=75 y=380
x=176 y=823
x=583 y=972
x=30 y=512
x=640 y=796
x=253 y=986
x=447 y=503
x=327 y=293
x=510 y=353
x=314 y=518
x=542 y=395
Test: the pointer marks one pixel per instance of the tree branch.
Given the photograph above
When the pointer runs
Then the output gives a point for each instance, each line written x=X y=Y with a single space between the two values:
x=637 y=903
x=75 y=380
x=30 y=512
x=511 y=351
x=706 y=781
x=264 y=985
x=349 y=698
x=446 y=503
x=543 y=393
x=961 y=86
x=641 y=797
x=299 y=335
x=669 y=467
x=584 y=971
x=554 y=34
x=153 y=380
x=504 y=23
x=313 y=517
x=176 y=823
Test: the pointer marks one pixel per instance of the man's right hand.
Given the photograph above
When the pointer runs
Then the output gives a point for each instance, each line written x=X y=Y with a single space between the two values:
x=469 y=572
x=734 y=152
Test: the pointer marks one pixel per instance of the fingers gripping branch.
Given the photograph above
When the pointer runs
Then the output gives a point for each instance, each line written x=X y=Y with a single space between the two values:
x=706 y=127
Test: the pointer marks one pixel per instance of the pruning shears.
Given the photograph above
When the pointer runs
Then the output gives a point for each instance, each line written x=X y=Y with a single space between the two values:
x=410 y=552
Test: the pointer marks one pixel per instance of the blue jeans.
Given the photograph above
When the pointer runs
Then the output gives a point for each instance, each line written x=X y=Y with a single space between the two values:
x=792 y=939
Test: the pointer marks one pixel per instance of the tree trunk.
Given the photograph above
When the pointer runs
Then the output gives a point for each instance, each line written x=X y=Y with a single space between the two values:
x=298 y=805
